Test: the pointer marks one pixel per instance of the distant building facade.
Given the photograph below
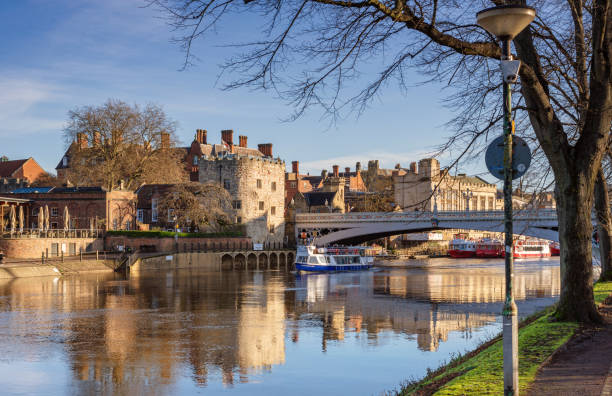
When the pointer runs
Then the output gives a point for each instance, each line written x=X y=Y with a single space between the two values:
x=426 y=186
x=16 y=174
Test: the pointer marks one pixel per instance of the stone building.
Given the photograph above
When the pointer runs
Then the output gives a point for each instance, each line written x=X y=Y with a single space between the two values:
x=415 y=189
x=255 y=181
x=18 y=173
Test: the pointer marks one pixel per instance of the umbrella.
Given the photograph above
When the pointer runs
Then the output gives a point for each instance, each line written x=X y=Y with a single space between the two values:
x=91 y=225
x=66 y=219
x=21 y=219
x=41 y=218
x=13 y=219
x=46 y=217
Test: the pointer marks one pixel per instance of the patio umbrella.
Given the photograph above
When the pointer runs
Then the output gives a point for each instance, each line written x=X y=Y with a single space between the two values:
x=41 y=218
x=21 y=219
x=66 y=219
x=46 y=217
x=91 y=225
x=13 y=219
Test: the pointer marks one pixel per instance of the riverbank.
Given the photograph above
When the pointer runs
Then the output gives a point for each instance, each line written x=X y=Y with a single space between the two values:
x=480 y=372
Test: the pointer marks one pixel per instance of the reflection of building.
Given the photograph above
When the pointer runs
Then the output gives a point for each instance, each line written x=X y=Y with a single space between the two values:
x=415 y=189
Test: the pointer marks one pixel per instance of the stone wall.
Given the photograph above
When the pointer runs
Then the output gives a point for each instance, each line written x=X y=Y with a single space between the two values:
x=34 y=247
x=257 y=187
x=168 y=244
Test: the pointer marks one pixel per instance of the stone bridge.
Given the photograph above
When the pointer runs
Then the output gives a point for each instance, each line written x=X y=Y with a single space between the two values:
x=363 y=226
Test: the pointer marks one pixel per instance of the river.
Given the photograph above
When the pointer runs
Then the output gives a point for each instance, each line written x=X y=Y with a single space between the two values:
x=254 y=333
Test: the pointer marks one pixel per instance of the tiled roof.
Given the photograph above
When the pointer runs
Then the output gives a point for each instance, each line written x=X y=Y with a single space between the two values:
x=7 y=168
x=32 y=190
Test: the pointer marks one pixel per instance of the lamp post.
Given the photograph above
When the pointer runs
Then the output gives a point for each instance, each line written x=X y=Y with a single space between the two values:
x=467 y=194
x=505 y=22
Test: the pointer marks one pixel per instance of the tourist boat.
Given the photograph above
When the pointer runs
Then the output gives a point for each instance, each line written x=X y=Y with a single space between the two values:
x=489 y=248
x=531 y=248
x=350 y=258
x=555 y=249
x=462 y=248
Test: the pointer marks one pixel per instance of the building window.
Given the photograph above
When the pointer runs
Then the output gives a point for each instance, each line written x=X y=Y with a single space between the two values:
x=154 y=210
x=128 y=225
x=55 y=249
x=72 y=249
x=273 y=210
x=115 y=224
x=170 y=215
x=140 y=215
x=237 y=204
x=195 y=160
x=238 y=220
x=293 y=185
x=54 y=212
x=54 y=226
x=226 y=184
x=271 y=228
x=258 y=183
x=65 y=161
x=273 y=186
x=261 y=205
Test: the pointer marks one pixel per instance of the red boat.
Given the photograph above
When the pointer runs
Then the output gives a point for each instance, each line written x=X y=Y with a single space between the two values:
x=530 y=248
x=555 y=249
x=462 y=248
x=489 y=248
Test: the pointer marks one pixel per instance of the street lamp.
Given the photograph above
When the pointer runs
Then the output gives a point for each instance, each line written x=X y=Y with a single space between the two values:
x=467 y=194
x=505 y=22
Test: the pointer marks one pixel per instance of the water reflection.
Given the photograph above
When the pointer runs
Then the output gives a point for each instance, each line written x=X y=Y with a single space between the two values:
x=183 y=330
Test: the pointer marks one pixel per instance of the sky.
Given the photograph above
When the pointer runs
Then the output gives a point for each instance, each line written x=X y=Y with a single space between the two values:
x=59 y=55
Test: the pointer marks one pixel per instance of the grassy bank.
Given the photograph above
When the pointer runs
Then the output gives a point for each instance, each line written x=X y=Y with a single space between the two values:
x=481 y=372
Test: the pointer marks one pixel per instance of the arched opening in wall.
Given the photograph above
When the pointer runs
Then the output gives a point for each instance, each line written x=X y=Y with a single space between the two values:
x=290 y=260
x=273 y=261
x=252 y=261
x=282 y=260
x=263 y=261
x=227 y=262
x=240 y=261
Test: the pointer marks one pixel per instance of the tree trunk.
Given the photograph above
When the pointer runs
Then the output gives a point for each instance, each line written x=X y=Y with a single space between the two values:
x=602 y=209
x=574 y=204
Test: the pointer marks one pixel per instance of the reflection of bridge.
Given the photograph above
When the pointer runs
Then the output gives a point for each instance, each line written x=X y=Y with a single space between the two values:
x=363 y=226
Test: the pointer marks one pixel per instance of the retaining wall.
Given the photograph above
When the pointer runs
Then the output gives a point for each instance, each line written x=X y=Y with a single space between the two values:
x=168 y=244
x=33 y=247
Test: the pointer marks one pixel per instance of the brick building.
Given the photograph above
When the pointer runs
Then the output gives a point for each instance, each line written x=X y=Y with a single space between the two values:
x=255 y=181
x=18 y=173
x=109 y=210
x=148 y=198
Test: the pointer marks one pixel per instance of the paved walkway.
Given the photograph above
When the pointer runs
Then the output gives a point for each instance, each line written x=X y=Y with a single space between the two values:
x=583 y=367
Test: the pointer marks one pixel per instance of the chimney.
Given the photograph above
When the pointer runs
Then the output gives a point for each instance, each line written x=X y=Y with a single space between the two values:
x=335 y=168
x=398 y=166
x=324 y=173
x=201 y=136
x=358 y=167
x=265 y=149
x=165 y=140
x=347 y=170
x=227 y=135
x=242 y=140
x=81 y=140
x=97 y=138
x=295 y=167
x=413 y=167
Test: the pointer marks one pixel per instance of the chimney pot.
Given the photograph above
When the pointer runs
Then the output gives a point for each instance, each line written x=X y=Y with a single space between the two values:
x=81 y=140
x=165 y=140
x=227 y=135
x=335 y=168
x=358 y=166
x=201 y=136
x=242 y=141
x=413 y=167
x=295 y=167
x=347 y=170
x=265 y=149
x=324 y=173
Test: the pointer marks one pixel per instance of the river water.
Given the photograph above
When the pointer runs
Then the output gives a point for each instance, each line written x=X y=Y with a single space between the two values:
x=254 y=333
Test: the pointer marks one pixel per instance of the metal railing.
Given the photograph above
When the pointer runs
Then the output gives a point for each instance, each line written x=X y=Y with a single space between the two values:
x=52 y=233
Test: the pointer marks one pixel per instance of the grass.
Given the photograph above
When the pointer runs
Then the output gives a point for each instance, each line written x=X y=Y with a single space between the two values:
x=481 y=372
x=170 y=234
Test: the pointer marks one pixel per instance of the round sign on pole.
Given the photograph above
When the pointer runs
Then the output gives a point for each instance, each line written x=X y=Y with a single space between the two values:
x=521 y=157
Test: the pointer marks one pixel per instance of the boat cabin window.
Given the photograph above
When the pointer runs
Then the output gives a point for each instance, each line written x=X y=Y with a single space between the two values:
x=313 y=260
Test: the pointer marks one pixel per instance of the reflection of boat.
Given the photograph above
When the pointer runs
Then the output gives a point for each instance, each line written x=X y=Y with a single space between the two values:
x=351 y=258
x=531 y=248
x=489 y=248
x=555 y=249
x=461 y=248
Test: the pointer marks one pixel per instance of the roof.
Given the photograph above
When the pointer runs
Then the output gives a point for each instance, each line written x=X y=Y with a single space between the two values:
x=318 y=198
x=57 y=190
x=8 y=168
x=32 y=190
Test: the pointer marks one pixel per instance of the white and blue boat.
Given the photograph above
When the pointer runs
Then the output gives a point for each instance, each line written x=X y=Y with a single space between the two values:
x=316 y=259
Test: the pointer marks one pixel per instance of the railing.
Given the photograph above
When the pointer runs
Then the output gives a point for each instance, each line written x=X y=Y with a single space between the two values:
x=53 y=233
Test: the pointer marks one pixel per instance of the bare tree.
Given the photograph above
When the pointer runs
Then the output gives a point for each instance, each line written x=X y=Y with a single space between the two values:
x=311 y=52
x=198 y=206
x=117 y=142
x=46 y=180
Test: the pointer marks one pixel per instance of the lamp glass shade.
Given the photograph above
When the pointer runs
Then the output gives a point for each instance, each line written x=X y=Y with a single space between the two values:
x=505 y=22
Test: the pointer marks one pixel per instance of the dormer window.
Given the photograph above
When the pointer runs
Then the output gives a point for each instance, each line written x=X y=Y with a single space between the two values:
x=65 y=160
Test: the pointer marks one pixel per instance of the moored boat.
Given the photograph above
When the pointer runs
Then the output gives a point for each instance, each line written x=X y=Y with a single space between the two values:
x=489 y=248
x=462 y=248
x=531 y=248
x=351 y=258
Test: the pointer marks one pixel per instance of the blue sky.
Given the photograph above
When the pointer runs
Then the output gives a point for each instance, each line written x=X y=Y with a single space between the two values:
x=61 y=54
